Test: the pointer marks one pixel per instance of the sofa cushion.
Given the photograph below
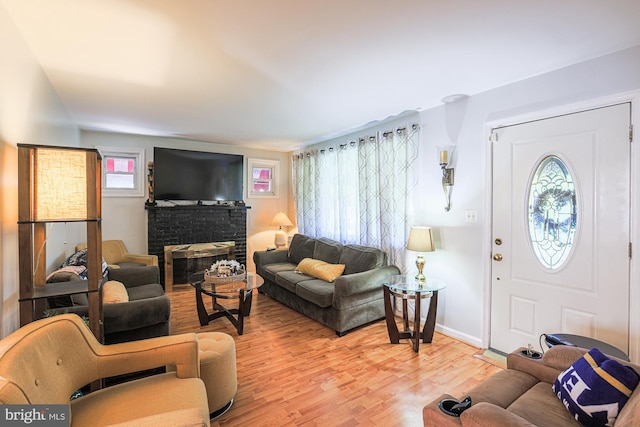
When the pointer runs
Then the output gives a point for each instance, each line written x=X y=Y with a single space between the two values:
x=595 y=388
x=180 y=417
x=128 y=264
x=270 y=270
x=503 y=388
x=301 y=247
x=289 y=279
x=541 y=407
x=357 y=258
x=114 y=292
x=327 y=250
x=320 y=269
x=119 y=403
x=316 y=291
x=135 y=276
x=629 y=415
x=150 y=290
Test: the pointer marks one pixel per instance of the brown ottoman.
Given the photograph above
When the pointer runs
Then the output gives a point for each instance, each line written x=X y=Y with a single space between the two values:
x=218 y=370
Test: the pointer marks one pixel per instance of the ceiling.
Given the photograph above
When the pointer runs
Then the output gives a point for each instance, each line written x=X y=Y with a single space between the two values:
x=275 y=74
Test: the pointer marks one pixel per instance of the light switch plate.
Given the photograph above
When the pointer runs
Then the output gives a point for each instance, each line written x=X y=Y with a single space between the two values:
x=470 y=215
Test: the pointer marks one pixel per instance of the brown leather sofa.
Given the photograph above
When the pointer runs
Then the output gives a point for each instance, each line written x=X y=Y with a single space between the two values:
x=46 y=361
x=521 y=395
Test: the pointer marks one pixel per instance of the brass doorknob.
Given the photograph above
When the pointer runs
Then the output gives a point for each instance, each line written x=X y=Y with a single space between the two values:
x=497 y=257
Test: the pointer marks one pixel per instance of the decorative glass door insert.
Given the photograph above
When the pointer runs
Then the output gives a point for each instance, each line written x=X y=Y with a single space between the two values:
x=553 y=212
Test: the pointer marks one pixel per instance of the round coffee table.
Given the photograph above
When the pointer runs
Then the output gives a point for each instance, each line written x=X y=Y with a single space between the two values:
x=242 y=290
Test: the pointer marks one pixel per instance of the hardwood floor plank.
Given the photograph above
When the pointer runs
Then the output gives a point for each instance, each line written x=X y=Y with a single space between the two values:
x=292 y=371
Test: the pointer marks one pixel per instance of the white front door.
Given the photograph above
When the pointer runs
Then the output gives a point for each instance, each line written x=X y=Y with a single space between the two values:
x=561 y=229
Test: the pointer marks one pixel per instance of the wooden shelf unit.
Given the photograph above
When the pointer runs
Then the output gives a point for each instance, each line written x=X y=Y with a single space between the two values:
x=32 y=241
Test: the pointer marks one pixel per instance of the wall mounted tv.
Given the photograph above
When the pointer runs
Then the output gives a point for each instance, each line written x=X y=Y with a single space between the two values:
x=196 y=175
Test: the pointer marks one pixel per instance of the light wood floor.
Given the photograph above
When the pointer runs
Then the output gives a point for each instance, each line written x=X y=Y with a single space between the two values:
x=292 y=371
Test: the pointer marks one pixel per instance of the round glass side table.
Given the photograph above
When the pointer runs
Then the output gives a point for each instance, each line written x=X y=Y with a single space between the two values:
x=408 y=288
x=241 y=290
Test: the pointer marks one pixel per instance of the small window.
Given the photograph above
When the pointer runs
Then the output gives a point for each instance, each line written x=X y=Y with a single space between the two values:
x=263 y=178
x=122 y=172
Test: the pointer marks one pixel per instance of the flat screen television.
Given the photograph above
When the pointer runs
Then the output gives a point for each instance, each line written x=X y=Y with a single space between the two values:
x=196 y=175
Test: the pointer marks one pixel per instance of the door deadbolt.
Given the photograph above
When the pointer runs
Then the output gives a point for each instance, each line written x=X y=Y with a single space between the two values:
x=497 y=257
x=498 y=241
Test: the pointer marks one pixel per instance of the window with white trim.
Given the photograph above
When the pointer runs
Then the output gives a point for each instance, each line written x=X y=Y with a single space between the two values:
x=122 y=172
x=262 y=178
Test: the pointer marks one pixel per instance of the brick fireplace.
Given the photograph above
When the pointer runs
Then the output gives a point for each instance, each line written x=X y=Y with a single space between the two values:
x=183 y=225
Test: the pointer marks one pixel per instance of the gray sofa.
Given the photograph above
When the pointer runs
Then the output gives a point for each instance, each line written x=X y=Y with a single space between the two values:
x=354 y=299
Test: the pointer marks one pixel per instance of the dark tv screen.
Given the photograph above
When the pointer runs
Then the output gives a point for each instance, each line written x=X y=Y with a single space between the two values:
x=196 y=175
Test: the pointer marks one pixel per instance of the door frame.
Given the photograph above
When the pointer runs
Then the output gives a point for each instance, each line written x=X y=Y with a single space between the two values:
x=634 y=228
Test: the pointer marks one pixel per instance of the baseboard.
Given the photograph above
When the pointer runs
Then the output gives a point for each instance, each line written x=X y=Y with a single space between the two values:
x=453 y=333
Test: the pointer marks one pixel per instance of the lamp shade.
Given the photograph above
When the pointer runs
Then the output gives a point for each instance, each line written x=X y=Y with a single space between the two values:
x=60 y=190
x=281 y=220
x=420 y=239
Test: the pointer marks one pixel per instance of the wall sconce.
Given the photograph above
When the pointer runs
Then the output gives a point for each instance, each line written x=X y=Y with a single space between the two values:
x=281 y=220
x=420 y=240
x=445 y=154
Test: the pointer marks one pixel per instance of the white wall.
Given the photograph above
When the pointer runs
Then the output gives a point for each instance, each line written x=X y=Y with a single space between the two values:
x=125 y=218
x=462 y=257
x=30 y=113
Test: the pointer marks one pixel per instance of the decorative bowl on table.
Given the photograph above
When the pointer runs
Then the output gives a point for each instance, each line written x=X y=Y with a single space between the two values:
x=225 y=271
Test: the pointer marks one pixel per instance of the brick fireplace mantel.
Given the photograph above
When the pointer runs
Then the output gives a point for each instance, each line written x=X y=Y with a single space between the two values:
x=180 y=225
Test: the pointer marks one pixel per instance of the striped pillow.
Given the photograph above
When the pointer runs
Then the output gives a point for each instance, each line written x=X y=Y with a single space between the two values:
x=595 y=388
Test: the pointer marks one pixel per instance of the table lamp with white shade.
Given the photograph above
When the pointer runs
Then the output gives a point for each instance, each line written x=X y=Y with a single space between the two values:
x=281 y=220
x=420 y=240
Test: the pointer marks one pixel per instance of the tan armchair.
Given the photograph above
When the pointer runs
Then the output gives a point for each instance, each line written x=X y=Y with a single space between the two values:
x=46 y=361
x=117 y=255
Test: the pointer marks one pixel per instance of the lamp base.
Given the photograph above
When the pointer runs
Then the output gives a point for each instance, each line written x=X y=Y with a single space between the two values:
x=420 y=264
x=280 y=239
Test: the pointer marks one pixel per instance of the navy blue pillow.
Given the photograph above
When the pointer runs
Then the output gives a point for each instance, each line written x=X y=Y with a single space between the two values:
x=595 y=388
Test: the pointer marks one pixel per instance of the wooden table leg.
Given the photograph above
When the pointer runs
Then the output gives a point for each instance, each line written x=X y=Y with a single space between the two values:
x=392 y=328
x=241 y=310
x=416 y=324
x=247 y=303
x=203 y=316
x=430 y=324
x=405 y=314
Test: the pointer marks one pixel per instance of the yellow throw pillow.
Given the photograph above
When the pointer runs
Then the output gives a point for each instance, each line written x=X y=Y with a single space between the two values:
x=114 y=292
x=320 y=269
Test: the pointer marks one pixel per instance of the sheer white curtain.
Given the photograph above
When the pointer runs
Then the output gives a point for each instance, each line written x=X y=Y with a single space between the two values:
x=355 y=191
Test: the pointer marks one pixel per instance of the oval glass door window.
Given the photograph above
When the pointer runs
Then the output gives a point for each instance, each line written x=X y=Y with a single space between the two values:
x=552 y=212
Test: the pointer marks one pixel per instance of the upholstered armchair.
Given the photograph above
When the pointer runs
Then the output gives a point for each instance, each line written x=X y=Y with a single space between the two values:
x=137 y=309
x=116 y=254
x=47 y=361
